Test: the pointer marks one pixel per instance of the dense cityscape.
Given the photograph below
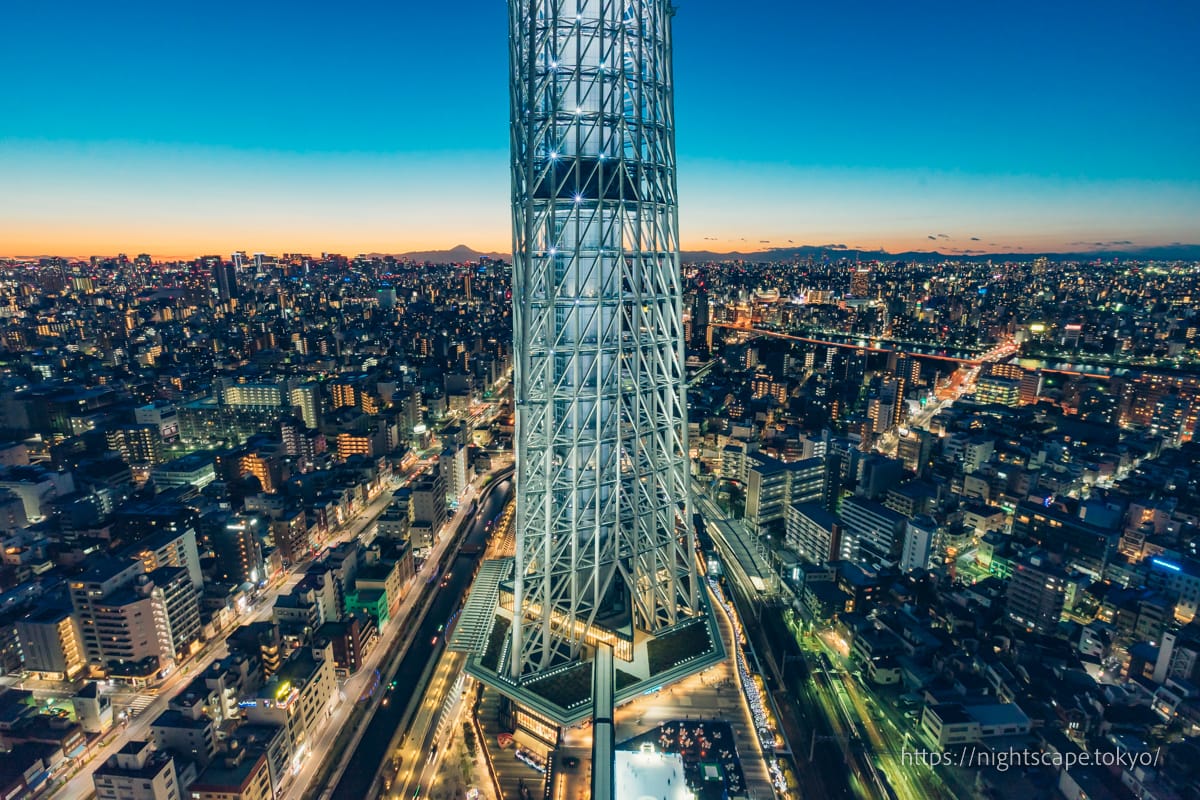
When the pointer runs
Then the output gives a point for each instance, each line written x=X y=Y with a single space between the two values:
x=955 y=504
x=652 y=496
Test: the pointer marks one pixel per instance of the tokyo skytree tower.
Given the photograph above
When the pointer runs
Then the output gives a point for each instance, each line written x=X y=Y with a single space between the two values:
x=605 y=548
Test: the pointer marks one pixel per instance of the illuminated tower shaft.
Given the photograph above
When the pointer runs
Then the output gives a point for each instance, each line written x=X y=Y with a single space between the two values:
x=604 y=538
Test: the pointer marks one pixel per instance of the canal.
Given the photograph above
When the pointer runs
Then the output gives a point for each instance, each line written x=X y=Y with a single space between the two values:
x=372 y=748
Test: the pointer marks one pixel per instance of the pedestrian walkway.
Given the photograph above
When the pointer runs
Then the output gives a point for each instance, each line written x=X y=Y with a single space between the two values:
x=139 y=704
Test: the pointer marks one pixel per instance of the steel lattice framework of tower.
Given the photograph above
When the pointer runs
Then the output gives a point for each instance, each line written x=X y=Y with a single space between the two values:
x=604 y=536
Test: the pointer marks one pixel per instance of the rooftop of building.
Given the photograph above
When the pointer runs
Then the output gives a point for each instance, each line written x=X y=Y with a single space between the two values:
x=826 y=592
x=857 y=574
x=767 y=465
x=951 y=713
x=90 y=691
x=818 y=514
x=369 y=596
x=101 y=568
x=228 y=774
x=167 y=574
x=123 y=764
x=298 y=670
x=872 y=507
x=189 y=463
x=21 y=759
x=133 y=747
x=995 y=714
x=158 y=540
x=255 y=734
x=177 y=719
x=297 y=598
x=48 y=615
x=15 y=704
x=376 y=572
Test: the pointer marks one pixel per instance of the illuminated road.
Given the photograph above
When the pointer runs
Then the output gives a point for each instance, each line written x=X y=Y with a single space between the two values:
x=839 y=722
x=998 y=353
x=881 y=736
x=959 y=384
x=421 y=749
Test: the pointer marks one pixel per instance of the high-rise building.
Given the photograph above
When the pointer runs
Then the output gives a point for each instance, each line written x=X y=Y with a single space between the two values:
x=886 y=410
x=238 y=549
x=137 y=444
x=178 y=607
x=344 y=394
x=427 y=501
x=50 y=645
x=604 y=550
x=452 y=463
x=907 y=368
x=225 y=276
x=914 y=448
x=1031 y=387
x=1036 y=593
x=876 y=531
x=814 y=533
x=297 y=697
x=773 y=485
x=767 y=495
x=126 y=617
x=1012 y=372
x=919 y=534
x=700 y=320
x=306 y=399
x=171 y=547
x=995 y=390
x=162 y=415
x=290 y=534
x=256 y=395
x=860 y=282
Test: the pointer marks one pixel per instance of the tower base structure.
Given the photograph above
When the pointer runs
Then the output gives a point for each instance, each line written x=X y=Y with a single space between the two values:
x=563 y=694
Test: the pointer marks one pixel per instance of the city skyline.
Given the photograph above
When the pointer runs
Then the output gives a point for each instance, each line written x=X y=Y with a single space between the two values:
x=1048 y=129
x=662 y=399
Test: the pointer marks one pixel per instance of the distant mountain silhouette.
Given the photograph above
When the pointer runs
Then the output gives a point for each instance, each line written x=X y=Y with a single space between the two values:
x=455 y=255
x=1171 y=252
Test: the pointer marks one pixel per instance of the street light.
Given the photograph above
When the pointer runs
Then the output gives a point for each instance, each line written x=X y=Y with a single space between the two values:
x=783 y=669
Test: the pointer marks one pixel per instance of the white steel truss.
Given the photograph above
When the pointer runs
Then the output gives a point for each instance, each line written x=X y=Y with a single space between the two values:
x=604 y=534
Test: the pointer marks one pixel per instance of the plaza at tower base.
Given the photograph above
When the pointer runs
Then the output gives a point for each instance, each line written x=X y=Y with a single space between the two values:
x=563 y=695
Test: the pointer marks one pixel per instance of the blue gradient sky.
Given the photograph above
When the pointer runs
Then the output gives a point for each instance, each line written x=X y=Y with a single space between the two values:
x=186 y=128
